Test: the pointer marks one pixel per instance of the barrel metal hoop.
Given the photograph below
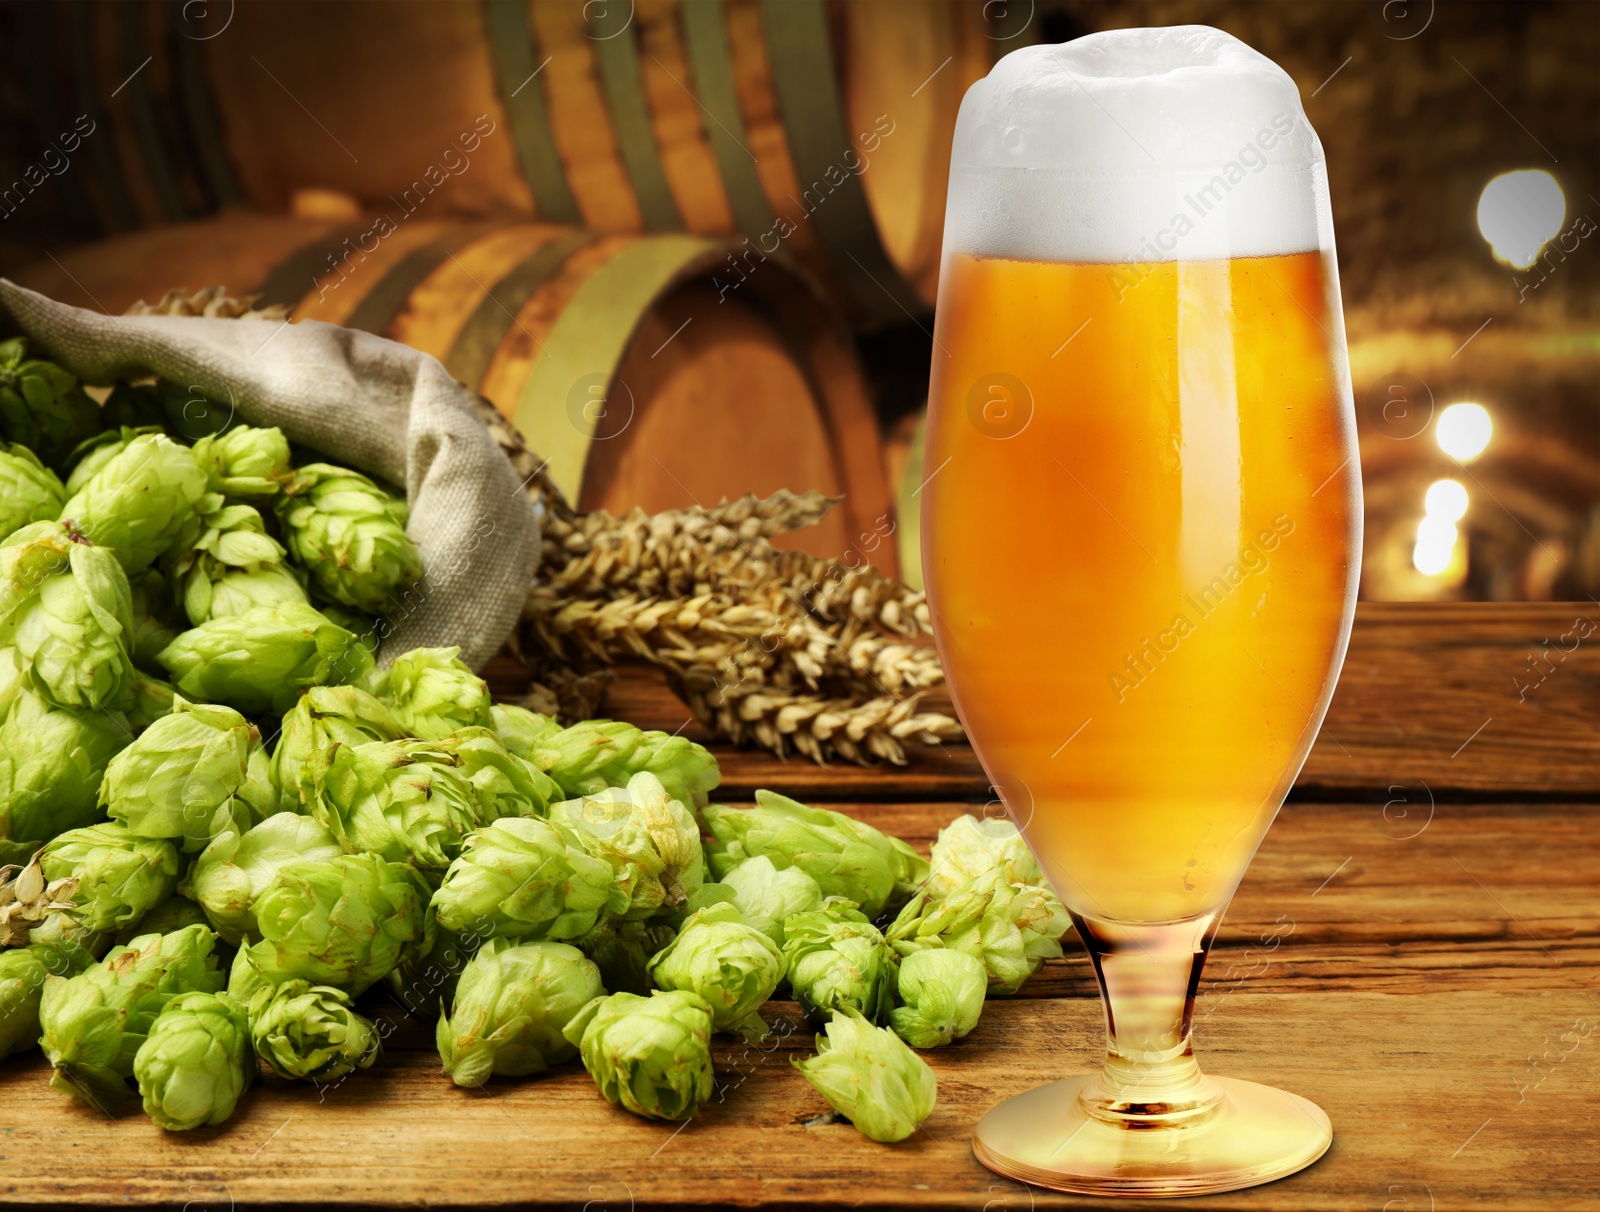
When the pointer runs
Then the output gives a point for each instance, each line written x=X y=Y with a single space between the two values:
x=378 y=309
x=705 y=39
x=807 y=85
x=142 y=112
x=616 y=58
x=291 y=279
x=513 y=50
x=589 y=340
x=474 y=347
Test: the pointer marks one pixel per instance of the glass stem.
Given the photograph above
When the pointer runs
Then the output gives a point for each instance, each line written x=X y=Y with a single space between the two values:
x=1148 y=975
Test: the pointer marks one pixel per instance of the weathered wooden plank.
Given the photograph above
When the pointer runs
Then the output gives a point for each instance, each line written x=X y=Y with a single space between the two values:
x=1434 y=699
x=1432 y=1098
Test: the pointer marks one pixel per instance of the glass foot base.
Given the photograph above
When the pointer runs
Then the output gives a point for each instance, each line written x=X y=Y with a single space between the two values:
x=1257 y=1134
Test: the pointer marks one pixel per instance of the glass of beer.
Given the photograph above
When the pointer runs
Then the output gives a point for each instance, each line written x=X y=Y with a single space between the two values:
x=1141 y=538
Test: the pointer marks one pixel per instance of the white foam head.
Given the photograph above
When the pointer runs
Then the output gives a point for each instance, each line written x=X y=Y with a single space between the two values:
x=1179 y=143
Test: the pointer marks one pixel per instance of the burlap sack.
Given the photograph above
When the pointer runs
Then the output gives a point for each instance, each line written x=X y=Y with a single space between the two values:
x=369 y=403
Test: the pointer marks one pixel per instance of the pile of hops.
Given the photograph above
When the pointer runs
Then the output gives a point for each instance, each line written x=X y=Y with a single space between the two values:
x=225 y=825
x=776 y=648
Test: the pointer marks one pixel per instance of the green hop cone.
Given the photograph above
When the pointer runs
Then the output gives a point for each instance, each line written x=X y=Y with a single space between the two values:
x=838 y=960
x=238 y=866
x=846 y=857
x=869 y=1076
x=733 y=966
x=67 y=608
x=1011 y=928
x=407 y=801
x=596 y=754
x=649 y=1055
x=504 y=784
x=650 y=839
x=245 y=460
x=180 y=778
x=310 y=1032
x=943 y=992
x=969 y=846
x=117 y=877
x=152 y=699
x=324 y=716
x=234 y=566
x=433 y=694
x=51 y=763
x=522 y=731
x=510 y=1008
x=623 y=951
x=196 y=1061
x=96 y=452
x=141 y=502
x=22 y=975
x=29 y=491
x=767 y=896
x=93 y=1023
x=42 y=406
x=344 y=921
x=523 y=878
x=134 y=406
x=357 y=624
x=349 y=535
x=260 y=660
x=174 y=913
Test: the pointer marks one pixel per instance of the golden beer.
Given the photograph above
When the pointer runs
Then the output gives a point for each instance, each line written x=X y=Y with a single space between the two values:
x=1141 y=592
x=1141 y=529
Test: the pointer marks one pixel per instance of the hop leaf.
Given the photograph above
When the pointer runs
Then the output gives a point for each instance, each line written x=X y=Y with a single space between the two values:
x=196 y=1061
x=838 y=960
x=649 y=1055
x=344 y=921
x=349 y=535
x=510 y=1007
x=943 y=992
x=733 y=966
x=869 y=1076
x=95 y=1022
x=261 y=660
x=29 y=491
x=141 y=502
x=846 y=857
x=310 y=1032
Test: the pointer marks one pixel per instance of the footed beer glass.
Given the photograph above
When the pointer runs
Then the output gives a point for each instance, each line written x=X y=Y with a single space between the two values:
x=1141 y=537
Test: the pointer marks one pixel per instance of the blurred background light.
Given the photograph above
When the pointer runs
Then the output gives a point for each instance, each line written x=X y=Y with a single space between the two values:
x=1446 y=499
x=1436 y=545
x=1519 y=213
x=1463 y=430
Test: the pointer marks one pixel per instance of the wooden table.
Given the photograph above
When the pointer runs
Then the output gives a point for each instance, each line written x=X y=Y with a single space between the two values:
x=1430 y=901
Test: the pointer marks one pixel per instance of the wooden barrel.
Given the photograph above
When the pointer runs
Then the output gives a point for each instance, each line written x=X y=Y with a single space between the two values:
x=818 y=126
x=643 y=376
